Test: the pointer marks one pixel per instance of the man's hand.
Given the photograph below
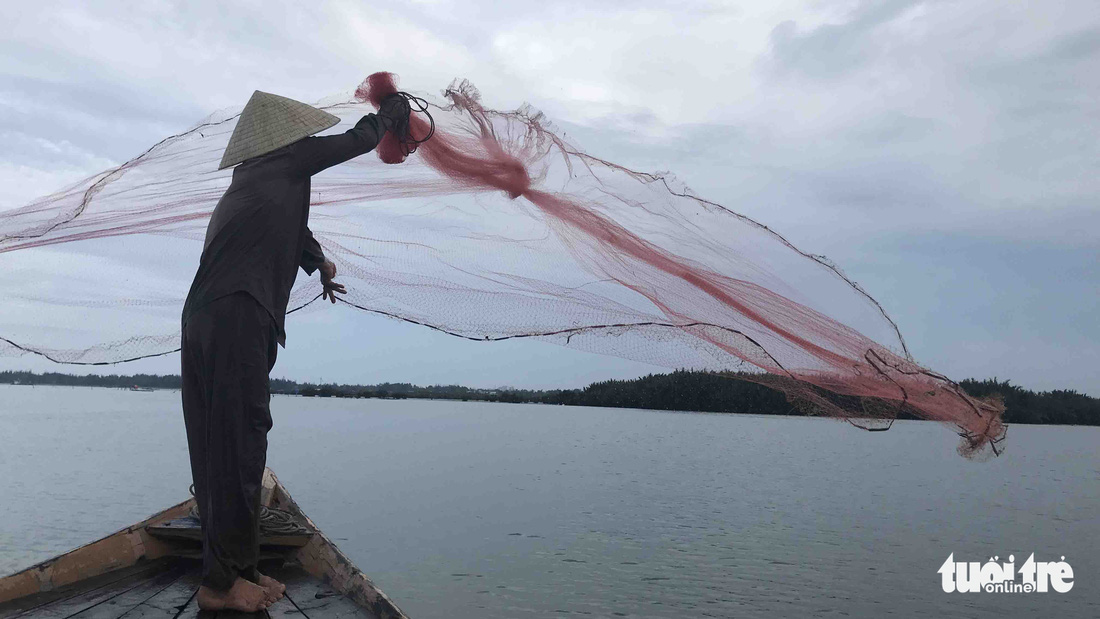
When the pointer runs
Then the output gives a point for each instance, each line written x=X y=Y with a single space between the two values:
x=394 y=112
x=328 y=271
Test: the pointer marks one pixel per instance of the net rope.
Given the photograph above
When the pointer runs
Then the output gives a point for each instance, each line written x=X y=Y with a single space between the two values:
x=496 y=228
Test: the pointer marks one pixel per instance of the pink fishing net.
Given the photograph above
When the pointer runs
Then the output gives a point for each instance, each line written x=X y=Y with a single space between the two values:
x=495 y=228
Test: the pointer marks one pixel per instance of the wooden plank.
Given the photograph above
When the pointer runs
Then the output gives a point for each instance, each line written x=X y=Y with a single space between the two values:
x=106 y=555
x=191 y=610
x=284 y=609
x=74 y=598
x=336 y=607
x=236 y=614
x=189 y=529
x=315 y=599
x=22 y=584
x=180 y=601
x=299 y=586
x=265 y=554
x=171 y=600
x=118 y=605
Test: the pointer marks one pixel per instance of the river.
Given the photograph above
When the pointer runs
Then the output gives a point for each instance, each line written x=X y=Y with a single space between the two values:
x=464 y=510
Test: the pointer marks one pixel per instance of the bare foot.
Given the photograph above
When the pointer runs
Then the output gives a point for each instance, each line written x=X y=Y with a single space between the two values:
x=272 y=587
x=245 y=596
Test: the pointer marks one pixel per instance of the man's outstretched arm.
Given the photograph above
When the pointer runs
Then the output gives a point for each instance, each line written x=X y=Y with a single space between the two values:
x=315 y=154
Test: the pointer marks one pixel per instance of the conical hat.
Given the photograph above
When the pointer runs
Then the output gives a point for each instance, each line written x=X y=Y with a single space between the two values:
x=270 y=122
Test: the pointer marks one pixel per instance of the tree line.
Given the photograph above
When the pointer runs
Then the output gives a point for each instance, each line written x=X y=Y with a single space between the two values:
x=681 y=390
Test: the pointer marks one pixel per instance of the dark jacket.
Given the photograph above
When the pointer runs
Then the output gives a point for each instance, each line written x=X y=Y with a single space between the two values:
x=257 y=236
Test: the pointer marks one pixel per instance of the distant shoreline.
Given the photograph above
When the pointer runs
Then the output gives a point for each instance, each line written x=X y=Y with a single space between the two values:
x=677 y=391
x=794 y=415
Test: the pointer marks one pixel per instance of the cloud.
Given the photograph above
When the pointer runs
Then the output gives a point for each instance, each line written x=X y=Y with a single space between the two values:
x=853 y=127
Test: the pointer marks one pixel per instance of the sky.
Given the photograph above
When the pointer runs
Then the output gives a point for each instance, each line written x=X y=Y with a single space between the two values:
x=942 y=153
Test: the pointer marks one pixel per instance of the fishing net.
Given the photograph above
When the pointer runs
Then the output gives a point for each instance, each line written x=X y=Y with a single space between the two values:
x=496 y=228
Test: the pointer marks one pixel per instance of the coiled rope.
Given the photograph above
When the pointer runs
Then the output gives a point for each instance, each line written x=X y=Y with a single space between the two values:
x=404 y=135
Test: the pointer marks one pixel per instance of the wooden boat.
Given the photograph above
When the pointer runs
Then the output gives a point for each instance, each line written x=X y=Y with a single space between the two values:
x=151 y=570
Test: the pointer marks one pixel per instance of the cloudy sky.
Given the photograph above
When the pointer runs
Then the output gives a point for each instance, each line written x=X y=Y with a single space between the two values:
x=943 y=153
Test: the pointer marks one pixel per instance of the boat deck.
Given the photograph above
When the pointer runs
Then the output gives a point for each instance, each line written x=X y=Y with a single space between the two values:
x=167 y=590
x=151 y=570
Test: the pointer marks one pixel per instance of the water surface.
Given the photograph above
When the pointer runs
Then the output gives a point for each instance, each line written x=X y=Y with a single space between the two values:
x=509 y=511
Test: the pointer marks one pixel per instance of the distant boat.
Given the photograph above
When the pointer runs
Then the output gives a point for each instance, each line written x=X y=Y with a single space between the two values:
x=152 y=569
x=136 y=388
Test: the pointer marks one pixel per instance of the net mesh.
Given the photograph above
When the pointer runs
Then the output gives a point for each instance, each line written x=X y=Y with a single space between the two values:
x=496 y=228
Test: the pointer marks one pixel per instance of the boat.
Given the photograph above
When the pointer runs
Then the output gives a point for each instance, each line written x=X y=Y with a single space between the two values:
x=152 y=569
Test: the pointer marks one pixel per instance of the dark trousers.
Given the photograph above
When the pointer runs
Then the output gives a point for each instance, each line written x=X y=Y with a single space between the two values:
x=229 y=347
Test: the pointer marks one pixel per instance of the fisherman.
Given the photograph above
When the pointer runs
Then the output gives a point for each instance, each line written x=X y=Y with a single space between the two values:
x=256 y=240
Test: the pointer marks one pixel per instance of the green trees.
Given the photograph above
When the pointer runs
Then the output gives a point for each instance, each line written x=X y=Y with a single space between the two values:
x=681 y=390
x=1024 y=406
x=144 y=381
